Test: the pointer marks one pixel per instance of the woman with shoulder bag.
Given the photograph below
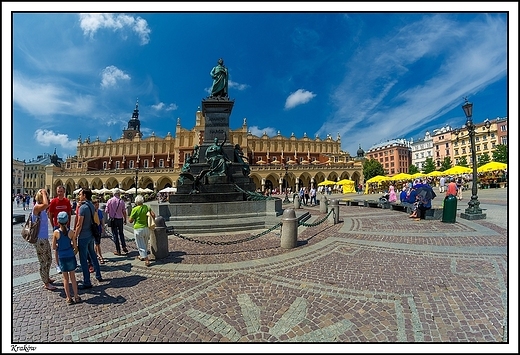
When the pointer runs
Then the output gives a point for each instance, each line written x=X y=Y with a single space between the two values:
x=43 y=247
x=141 y=230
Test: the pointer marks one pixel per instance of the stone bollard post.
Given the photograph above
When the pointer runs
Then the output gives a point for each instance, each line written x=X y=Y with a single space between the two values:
x=324 y=202
x=159 y=239
x=289 y=237
x=297 y=202
x=334 y=204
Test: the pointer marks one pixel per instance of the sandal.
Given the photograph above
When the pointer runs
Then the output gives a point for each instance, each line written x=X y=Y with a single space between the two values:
x=101 y=260
x=50 y=287
x=147 y=262
x=69 y=301
x=77 y=299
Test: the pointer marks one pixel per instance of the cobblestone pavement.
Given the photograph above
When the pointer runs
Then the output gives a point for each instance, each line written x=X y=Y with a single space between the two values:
x=376 y=277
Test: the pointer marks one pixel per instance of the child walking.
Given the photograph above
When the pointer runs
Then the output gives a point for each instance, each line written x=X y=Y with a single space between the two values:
x=64 y=241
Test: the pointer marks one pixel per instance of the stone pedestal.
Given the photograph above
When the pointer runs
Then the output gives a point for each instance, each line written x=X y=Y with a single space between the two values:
x=200 y=184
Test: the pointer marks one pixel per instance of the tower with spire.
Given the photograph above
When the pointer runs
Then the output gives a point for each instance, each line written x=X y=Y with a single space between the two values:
x=134 y=125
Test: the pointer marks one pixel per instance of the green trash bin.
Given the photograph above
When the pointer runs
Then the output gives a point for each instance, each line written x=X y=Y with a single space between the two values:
x=449 y=210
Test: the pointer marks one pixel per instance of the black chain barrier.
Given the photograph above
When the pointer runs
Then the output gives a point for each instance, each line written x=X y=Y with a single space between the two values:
x=230 y=242
x=267 y=231
x=301 y=223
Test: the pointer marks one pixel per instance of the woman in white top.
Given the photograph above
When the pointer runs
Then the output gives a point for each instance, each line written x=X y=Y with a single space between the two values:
x=43 y=246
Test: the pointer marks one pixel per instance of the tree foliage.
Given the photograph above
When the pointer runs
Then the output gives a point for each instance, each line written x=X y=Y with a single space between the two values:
x=483 y=159
x=429 y=165
x=500 y=153
x=372 y=168
x=463 y=161
x=446 y=164
x=413 y=169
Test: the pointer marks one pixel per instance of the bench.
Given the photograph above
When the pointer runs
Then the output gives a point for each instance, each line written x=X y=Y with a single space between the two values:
x=401 y=206
x=372 y=203
x=434 y=214
x=18 y=218
x=355 y=203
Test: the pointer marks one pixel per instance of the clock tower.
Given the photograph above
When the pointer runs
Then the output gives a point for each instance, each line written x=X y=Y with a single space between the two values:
x=134 y=125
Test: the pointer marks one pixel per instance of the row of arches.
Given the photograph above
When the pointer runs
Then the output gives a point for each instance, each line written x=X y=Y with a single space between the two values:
x=263 y=181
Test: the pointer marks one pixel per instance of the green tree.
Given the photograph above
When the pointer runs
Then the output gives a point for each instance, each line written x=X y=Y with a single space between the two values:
x=500 y=153
x=483 y=159
x=463 y=161
x=413 y=169
x=446 y=164
x=429 y=165
x=372 y=168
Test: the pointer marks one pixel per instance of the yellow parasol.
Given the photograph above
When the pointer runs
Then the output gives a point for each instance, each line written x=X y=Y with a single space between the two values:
x=378 y=179
x=416 y=175
x=401 y=176
x=327 y=182
x=458 y=170
x=436 y=173
x=492 y=166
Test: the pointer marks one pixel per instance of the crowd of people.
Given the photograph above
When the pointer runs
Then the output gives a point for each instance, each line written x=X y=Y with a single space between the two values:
x=70 y=238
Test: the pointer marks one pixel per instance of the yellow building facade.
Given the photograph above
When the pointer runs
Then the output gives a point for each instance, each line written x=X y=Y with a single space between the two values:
x=275 y=162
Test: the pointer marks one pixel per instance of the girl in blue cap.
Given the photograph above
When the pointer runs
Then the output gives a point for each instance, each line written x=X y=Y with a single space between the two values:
x=64 y=241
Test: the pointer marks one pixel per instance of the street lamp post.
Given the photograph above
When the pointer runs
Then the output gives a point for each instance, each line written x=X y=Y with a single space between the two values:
x=286 y=200
x=136 y=180
x=473 y=211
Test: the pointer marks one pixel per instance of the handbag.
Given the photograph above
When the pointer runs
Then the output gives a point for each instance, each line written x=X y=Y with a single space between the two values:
x=151 y=221
x=94 y=227
x=31 y=229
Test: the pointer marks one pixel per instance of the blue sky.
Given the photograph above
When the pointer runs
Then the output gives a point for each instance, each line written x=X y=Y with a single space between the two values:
x=370 y=77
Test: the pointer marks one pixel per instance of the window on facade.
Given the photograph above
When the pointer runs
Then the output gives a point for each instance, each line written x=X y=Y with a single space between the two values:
x=145 y=163
x=392 y=164
x=104 y=165
x=392 y=157
x=447 y=145
x=438 y=154
x=504 y=141
x=503 y=128
x=456 y=152
x=484 y=138
x=417 y=155
x=161 y=163
x=492 y=135
x=386 y=158
x=477 y=139
x=118 y=164
x=386 y=165
x=131 y=164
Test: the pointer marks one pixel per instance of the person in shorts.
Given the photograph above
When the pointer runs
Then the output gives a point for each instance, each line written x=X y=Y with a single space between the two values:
x=64 y=242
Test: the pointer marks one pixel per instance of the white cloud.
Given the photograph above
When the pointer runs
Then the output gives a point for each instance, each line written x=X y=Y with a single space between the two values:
x=239 y=87
x=111 y=75
x=48 y=138
x=91 y=23
x=259 y=132
x=299 y=97
x=161 y=106
x=43 y=98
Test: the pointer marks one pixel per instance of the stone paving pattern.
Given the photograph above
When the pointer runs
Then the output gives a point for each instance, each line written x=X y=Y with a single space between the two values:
x=376 y=277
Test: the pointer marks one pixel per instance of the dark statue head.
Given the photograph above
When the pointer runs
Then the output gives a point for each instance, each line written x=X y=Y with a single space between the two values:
x=221 y=61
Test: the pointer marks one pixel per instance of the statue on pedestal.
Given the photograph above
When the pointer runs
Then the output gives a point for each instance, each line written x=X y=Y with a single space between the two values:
x=220 y=80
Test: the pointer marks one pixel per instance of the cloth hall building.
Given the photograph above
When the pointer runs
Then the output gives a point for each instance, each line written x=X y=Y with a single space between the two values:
x=155 y=163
